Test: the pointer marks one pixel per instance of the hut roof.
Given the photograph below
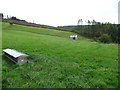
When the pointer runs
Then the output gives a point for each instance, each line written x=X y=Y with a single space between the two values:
x=14 y=53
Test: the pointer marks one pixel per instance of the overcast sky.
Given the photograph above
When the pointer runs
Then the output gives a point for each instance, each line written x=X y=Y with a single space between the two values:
x=61 y=12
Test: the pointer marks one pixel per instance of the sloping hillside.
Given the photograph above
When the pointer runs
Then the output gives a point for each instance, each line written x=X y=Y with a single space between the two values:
x=25 y=23
x=61 y=62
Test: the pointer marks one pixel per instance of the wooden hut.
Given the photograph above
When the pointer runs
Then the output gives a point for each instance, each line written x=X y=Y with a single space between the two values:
x=73 y=37
x=17 y=57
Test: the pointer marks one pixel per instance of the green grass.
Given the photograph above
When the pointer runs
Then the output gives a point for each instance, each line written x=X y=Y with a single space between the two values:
x=61 y=62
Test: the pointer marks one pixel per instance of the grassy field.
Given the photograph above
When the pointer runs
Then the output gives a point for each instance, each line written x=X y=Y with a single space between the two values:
x=61 y=62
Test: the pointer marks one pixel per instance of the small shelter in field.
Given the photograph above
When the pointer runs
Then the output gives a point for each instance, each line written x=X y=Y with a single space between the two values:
x=74 y=37
x=17 y=57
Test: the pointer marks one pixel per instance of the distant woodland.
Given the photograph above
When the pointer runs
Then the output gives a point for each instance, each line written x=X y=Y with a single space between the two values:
x=98 y=31
x=101 y=32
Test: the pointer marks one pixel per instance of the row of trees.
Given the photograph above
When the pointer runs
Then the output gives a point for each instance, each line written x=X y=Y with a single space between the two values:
x=93 y=22
x=104 y=32
x=11 y=18
x=15 y=18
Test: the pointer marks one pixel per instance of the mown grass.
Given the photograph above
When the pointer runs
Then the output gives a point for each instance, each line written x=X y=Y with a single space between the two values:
x=61 y=62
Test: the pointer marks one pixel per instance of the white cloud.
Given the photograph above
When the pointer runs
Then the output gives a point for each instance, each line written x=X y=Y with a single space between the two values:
x=61 y=12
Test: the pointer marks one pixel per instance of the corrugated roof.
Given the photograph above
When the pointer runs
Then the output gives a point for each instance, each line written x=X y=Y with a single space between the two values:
x=14 y=53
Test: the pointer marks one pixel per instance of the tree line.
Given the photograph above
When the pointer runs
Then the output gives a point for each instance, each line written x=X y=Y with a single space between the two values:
x=11 y=18
x=103 y=32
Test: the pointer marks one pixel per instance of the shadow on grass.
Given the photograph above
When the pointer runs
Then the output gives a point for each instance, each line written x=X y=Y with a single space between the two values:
x=8 y=62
